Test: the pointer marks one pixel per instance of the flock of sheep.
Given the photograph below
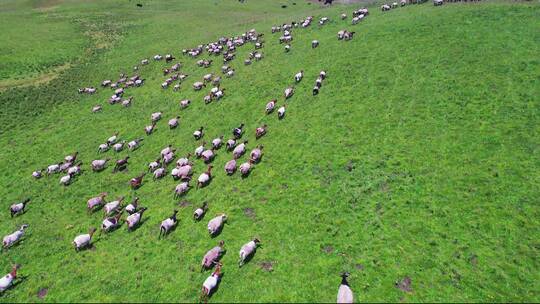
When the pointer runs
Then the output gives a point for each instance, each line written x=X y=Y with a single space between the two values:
x=183 y=169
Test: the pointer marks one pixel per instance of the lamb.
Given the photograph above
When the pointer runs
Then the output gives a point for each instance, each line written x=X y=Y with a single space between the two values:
x=135 y=219
x=169 y=157
x=298 y=77
x=18 y=208
x=200 y=149
x=385 y=7
x=112 y=140
x=198 y=134
x=74 y=170
x=212 y=256
x=127 y=102
x=96 y=202
x=281 y=112
x=199 y=212
x=237 y=132
x=205 y=177
x=394 y=4
x=208 y=77
x=82 y=241
x=37 y=174
x=181 y=189
x=132 y=207
x=315 y=90
x=230 y=73
x=343 y=16
x=345 y=294
x=287 y=48
x=216 y=224
x=11 y=239
x=348 y=35
x=168 y=224
x=99 y=164
x=314 y=44
x=166 y=150
x=134 y=144
x=247 y=251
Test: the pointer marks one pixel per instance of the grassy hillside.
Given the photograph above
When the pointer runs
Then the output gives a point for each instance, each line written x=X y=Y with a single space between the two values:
x=419 y=158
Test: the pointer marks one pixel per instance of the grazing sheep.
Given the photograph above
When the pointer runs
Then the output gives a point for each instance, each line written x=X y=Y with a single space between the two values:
x=96 y=108
x=82 y=241
x=37 y=174
x=343 y=16
x=208 y=155
x=248 y=250
x=150 y=129
x=55 y=168
x=287 y=48
x=345 y=294
x=185 y=103
x=121 y=164
x=212 y=256
x=74 y=170
x=239 y=150
x=256 y=154
x=112 y=140
x=231 y=143
x=134 y=144
x=173 y=122
x=205 y=177
x=181 y=189
x=438 y=2
x=200 y=149
x=159 y=173
x=260 y=131
x=230 y=167
x=245 y=168
x=199 y=212
x=96 y=202
x=197 y=86
x=168 y=224
x=111 y=223
x=281 y=112
x=314 y=44
x=127 y=102
x=386 y=7
x=208 y=77
x=230 y=73
x=210 y=283
x=113 y=206
x=183 y=161
x=134 y=219
x=18 y=208
x=394 y=4
x=136 y=182
x=11 y=239
x=289 y=92
x=119 y=146
x=217 y=142
x=348 y=35
x=298 y=77
x=66 y=179
x=315 y=90
x=99 y=164
x=156 y=116
x=270 y=106
x=216 y=224
x=7 y=281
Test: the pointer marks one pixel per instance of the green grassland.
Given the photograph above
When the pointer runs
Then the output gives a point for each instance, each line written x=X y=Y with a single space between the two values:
x=419 y=158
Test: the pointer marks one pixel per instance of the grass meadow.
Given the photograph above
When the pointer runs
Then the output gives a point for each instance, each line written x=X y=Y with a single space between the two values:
x=418 y=159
